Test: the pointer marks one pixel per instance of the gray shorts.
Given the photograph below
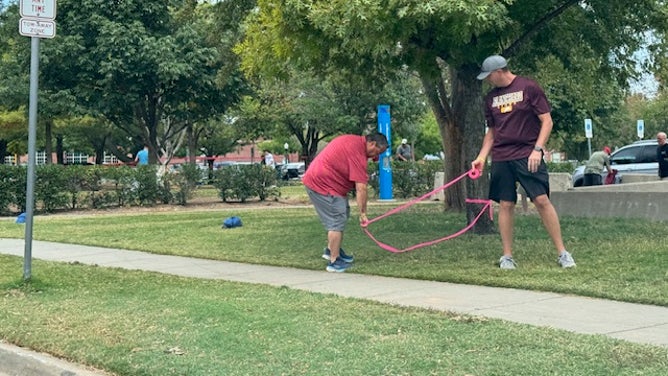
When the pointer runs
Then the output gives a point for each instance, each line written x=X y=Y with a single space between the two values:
x=333 y=211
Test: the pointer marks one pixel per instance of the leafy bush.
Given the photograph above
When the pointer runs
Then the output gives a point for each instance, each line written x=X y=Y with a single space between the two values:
x=186 y=180
x=409 y=179
x=96 y=184
x=146 y=188
x=561 y=167
x=75 y=179
x=242 y=182
x=223 y=181
x=50 y=184
x=264 y=180
x=8 y=178
x=123 y=184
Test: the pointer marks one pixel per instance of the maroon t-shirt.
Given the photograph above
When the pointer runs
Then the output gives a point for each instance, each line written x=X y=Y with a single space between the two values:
x=513 y=113
x=337 y=168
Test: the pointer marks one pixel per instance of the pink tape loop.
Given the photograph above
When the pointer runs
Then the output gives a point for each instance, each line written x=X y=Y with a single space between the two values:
x=473 y=174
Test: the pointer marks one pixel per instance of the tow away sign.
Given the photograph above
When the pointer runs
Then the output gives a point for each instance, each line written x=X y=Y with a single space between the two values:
x=31 y=27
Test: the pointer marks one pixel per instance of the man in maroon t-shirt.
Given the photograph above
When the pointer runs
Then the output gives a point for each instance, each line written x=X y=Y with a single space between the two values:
x=338 y=169
x=519 y=124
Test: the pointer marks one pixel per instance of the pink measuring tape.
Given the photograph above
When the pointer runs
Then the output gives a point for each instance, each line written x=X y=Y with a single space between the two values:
x=473 y=174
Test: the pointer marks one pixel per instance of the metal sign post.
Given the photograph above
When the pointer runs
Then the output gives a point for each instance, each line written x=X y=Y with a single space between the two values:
x=589 y=133
x=36 y=22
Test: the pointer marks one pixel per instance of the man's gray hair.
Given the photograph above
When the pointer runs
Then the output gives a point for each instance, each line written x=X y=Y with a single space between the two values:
x=379 y=139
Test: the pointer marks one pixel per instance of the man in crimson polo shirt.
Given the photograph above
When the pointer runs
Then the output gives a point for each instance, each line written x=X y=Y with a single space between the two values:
x=338 y=169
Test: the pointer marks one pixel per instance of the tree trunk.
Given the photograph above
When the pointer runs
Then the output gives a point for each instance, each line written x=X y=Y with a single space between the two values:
x=99 y=150
x=60 y=152
x=48 y=136
x=461 y=124
x=3 y=151
x=438 y=99
x=192 y=144
x=467 y=108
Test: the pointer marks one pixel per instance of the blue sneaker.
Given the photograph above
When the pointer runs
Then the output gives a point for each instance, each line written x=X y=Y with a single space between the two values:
x=338 y=266
x=342 y=255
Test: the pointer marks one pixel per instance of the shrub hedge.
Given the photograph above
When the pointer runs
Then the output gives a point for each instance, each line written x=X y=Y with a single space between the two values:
x=59 y=187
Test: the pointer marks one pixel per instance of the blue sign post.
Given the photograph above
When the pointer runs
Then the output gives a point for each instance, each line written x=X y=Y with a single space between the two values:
x=384 y=162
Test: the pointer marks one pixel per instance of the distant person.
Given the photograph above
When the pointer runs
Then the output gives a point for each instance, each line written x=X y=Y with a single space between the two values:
x=404 y=151
x=142 y=156
x=268 y=159
x=662 y=154
x=339 y=168
x=594 y=167
x=519 y=123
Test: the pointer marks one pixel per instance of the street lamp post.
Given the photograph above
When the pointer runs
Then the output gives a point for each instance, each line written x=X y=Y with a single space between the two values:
x=286 y=147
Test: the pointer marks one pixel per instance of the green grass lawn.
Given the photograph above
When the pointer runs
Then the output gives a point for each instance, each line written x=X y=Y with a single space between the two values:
x=140 y=323
x=617 y=258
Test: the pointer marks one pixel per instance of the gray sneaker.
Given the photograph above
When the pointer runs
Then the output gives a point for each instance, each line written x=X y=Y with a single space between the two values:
x=507 y=263
x=565 y=260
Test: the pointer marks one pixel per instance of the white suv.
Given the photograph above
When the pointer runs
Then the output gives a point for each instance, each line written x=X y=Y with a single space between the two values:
x=636 y=158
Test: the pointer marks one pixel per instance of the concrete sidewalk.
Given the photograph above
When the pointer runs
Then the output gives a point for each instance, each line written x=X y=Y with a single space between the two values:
x=631 y=322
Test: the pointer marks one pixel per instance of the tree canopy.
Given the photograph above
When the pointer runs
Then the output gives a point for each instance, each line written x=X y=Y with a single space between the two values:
x=444 y=41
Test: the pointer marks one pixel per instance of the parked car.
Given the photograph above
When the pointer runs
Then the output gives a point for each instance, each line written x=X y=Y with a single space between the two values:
x=636 y=158
x=292 y=170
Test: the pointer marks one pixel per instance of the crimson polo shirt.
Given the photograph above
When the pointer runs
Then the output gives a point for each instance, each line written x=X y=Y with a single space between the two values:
x=336 y=169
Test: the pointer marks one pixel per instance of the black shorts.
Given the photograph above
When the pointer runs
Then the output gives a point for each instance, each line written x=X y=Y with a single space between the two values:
x=505 y=175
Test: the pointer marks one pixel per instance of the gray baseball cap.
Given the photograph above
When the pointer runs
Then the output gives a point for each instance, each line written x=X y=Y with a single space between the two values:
x=491 y=64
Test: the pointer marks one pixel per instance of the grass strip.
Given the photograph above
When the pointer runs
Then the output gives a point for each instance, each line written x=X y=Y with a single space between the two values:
x=140 y=323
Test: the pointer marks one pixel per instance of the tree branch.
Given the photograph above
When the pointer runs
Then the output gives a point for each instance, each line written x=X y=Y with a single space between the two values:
x=533 y=29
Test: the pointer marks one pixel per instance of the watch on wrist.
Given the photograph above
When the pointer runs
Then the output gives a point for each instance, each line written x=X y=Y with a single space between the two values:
x=538 y=148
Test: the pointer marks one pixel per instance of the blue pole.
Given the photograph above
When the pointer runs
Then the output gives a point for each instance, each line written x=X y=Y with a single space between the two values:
x=384 y=165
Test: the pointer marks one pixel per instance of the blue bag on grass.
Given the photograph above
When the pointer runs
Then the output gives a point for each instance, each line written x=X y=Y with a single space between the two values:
x=232 y=222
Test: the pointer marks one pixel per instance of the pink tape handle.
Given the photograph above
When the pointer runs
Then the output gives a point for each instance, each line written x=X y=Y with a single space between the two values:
x=473 y=174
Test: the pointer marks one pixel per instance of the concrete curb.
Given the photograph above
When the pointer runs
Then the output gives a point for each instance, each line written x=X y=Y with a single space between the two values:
x=18 y=361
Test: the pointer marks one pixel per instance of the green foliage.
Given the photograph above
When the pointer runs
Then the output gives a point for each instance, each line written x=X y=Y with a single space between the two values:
x=12 y=185
x=49 y=183
x=429 y=138
x=185 y=180
x=567 y=45
x=70 y=187
x=241 y=182
x=561 y=167
x=409 y=179
x=13 y=132
x=122 y=184
x=146 y=188
x=76 y=180
x=223 y=180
